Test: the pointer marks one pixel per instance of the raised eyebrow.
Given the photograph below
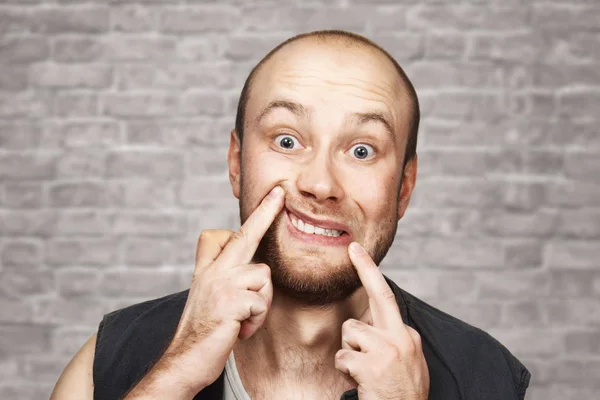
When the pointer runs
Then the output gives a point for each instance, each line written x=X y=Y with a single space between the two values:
x=295 y=108
x=364 y=118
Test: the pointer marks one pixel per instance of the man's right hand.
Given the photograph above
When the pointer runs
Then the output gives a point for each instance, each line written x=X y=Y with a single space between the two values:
x=228 y=299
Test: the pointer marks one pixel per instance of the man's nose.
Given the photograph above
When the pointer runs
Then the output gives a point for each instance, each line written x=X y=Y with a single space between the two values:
x=318 y=179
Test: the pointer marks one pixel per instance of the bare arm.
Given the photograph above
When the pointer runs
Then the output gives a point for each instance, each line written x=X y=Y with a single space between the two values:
x=77 y=381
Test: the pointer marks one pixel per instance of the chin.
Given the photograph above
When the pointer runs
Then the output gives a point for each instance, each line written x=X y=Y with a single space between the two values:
x=311 y=278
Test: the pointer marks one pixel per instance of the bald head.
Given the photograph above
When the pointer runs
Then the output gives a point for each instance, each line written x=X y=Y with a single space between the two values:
x=329 y=50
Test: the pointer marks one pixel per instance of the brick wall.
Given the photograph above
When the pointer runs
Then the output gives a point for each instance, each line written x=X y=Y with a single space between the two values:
x=114 y=121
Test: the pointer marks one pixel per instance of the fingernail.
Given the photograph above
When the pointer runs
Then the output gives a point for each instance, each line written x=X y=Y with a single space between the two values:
x=275 y=193
x=356 y=248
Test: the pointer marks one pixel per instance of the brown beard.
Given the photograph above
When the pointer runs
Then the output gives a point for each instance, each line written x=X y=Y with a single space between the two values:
x=311 y=289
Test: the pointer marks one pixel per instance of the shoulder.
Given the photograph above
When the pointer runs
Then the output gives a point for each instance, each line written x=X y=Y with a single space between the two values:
x=129 y=340
x=463 y=348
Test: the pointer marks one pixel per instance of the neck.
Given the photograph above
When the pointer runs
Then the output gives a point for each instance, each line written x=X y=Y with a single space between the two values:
x=295 y=336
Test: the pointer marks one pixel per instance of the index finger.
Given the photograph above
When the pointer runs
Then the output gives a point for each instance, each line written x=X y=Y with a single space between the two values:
x=243 y=243
x=382 y=301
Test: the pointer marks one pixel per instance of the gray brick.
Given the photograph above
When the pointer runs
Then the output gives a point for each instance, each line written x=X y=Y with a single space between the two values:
x=86 y=311
x=71 y=20
x=173 y=76
x=144 y=194
x=404 y=255
x=583 y=166
x=80 y=251
x=356 y=19
x=462 y=134
x=481 y=315
x=580 y=312
x=146 y=251
x=86 y=134
x=583 y=342
x=73 y=104
x=521 y=284
x=402 y=46
x=204 y=132
x=573 y=194
x=243 y=48
x=456 y=193
x=13 y=78
x=68 y=340
x=434 y=75
x=23 y=195
x=150 y=224
x=579 y=224
x=19 y=136
x=14 y=20
x=523 y=254
x=451 y=163
x=23 y=339
x=541 y=223
x=455 y=253
x=24 y=105
x=445 y=46
x=192 y=19
x=200 y=48
x=206 y=162
x=559 y=16
x=124 y=48
x=71 y=76
x=30 y=222
x=28 y=166
x=202 y=104
x=463 y=282
x=528 y=341
x=22 y=252
x=421 y=283
x=573 y=283
x=21 y=282
x=77 y=49
x=466 y=17
x=218 y=217
x=572 y=254
x=140 y=283
x=542 y=162
x=78 y=194
x=46 y=367
x=523 y=196
x=524 y=313
x=579 y=103
x=24 y=49
x=22 y=389
x=73 y=282
x=202 y=192
x=140 y=105
x=548 y=76
x=82 y=222
x=163 y=165
x=87 y=163
x=132 y=18
x=522 y=48
x=467 y=105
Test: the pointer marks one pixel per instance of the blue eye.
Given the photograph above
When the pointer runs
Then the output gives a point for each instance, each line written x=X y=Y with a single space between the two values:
x=362 y=151
x=287 y=142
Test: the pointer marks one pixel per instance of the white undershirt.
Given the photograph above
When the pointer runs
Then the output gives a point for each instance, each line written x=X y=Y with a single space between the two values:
x=234 y=388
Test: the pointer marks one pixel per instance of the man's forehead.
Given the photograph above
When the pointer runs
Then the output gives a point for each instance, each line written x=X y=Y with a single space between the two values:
x=314 y=69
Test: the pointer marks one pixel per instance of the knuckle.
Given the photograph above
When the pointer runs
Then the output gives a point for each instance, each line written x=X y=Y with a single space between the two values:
x=388 y=294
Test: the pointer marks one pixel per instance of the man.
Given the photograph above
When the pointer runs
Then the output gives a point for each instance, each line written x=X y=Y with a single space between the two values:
x=323 y=161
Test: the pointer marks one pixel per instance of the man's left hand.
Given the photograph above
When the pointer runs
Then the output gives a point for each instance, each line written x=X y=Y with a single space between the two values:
x=382 y=354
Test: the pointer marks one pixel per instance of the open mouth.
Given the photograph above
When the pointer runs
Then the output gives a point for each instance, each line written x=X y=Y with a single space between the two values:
x=313 y=233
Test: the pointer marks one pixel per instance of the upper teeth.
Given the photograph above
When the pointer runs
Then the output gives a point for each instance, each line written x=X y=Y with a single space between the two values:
x=308 y=228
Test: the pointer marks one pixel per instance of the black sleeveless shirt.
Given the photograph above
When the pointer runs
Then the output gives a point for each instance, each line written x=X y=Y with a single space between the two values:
x=464 y=362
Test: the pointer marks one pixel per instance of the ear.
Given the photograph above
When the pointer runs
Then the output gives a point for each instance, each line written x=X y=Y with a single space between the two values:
x=409 y=180
x=234 y=161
